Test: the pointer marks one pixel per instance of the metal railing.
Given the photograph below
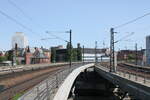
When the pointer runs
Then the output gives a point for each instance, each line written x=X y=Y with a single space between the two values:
x=47 y=88
x=137 y=77
x=140 y=77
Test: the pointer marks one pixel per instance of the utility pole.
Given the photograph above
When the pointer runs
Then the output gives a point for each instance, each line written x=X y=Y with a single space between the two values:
x=83 y=54
x=136 y=54
x=103 y=44
x=70 y=32
x=112 y=51
x=14 y=54
x=96 y=52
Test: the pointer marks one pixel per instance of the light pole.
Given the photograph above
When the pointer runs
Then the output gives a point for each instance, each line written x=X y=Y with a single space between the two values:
x=83 y=54
x=70 y=43
x=14 y=54
x=96 y=52
x=70 y=48
x=136 y=54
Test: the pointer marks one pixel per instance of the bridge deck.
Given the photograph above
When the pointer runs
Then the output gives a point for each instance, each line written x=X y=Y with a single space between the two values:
x=64 y=90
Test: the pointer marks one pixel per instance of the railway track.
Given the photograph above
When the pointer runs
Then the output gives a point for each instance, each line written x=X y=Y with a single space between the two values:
x=9 y=92
x=141 y=71
x=133 y=69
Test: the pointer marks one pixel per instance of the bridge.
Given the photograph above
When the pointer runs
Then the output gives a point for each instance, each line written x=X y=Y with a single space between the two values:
x=92 y=82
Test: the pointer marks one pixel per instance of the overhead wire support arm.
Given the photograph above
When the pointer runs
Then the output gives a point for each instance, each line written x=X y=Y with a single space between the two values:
x=47 y=38
x=56 y=37
x=70 y=42
x=123 y=38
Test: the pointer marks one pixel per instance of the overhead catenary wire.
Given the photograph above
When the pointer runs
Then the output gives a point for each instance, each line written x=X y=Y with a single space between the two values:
x=29 y=18
x=57 y=37
x=58 y=31
x=24 y=13
x=20 y=10
x=47 y=38
x=17 y=22
x=125 y=37
x=132 y=21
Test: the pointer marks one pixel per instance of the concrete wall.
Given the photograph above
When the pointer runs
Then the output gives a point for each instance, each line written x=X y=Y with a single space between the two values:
x=139 y=91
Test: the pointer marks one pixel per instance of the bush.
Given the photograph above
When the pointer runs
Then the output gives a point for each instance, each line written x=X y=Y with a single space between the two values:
x=3 y=58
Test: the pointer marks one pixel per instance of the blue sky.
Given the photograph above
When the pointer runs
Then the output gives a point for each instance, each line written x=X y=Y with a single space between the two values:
x=90 y=21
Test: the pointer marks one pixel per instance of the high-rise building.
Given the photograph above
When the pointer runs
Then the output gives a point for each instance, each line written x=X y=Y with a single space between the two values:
x=20 y=39
x=148 y=50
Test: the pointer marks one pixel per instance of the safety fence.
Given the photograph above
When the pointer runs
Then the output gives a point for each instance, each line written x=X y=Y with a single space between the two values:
x=47 y=88
x=136 y=75
x=142 y=77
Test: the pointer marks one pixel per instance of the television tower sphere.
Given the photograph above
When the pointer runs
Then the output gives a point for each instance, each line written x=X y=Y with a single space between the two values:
x=20 y=39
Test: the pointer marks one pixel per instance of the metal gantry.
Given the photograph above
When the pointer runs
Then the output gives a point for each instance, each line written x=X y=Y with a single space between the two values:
x=112 y=51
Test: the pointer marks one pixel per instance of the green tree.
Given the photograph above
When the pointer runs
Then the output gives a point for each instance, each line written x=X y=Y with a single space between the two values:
x=53 y=54
x=79 y=52
x=3 y=58
x=74 y=54
x=68 y=55
x=131 y=57
x=17 y=62
x=9 y=55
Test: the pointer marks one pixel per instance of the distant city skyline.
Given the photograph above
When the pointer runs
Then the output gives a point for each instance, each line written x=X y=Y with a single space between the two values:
x=90 y=21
